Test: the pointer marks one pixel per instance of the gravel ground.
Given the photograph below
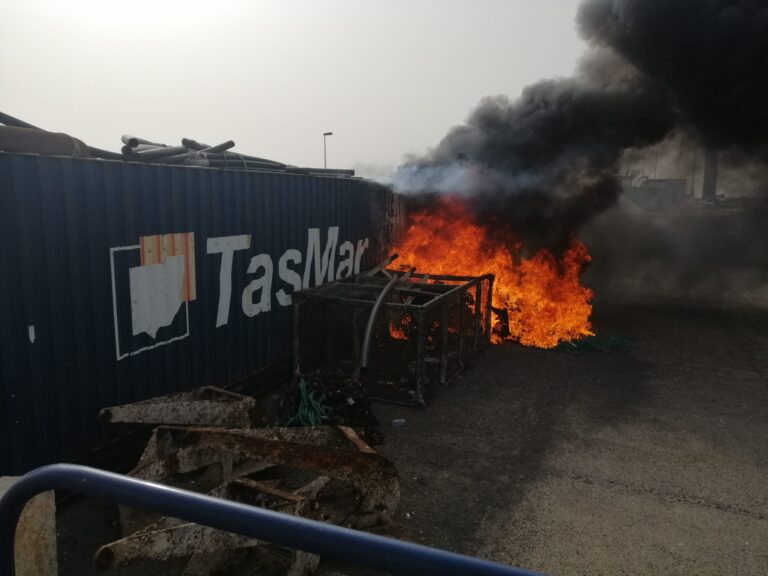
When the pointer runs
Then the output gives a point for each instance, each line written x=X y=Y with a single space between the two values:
x=649 y=460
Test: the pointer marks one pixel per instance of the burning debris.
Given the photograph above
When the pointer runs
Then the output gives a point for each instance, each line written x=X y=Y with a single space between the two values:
x=537 y=300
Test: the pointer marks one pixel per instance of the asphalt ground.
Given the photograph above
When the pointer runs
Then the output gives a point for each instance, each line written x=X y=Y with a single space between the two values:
x=653 y=459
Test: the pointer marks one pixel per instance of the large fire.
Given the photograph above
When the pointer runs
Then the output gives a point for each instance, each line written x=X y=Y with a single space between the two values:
x=544 y=300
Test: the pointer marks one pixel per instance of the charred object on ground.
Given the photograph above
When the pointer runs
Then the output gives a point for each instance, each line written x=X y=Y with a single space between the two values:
x=331 y=397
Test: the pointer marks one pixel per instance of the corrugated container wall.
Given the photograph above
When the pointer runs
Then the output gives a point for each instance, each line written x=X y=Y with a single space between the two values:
x=125 y=281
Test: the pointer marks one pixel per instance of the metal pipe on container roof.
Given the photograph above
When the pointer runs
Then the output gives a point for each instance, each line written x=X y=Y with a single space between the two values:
x=194 y=144
x=176 y=158
x=250 y=164
x=219 y=147
x=145 y=147
x=235 y=155
x=134 y=141
x=159 y=152
x=332 y=171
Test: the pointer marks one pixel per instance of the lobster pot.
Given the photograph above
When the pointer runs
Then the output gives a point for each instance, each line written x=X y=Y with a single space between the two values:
x=424 y=333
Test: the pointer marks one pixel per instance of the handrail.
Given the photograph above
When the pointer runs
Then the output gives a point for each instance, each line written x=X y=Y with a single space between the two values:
x=357 y=547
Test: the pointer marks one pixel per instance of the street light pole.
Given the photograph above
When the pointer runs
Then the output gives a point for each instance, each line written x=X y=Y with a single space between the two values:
x=325 y=155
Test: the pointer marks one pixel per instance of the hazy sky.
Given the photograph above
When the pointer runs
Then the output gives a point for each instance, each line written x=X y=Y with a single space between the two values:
x=387 y=77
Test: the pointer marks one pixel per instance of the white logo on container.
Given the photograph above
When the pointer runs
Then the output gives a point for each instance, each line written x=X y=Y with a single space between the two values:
x=159 y=286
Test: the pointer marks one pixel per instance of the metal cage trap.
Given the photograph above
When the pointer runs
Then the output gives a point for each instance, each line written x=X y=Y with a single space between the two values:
x=403 y=334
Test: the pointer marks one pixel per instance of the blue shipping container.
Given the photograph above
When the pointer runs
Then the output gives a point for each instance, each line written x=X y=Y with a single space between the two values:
x=125 y=281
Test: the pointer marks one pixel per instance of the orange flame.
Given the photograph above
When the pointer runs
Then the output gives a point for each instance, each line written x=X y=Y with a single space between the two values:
x=397 y=332
x=545 y=302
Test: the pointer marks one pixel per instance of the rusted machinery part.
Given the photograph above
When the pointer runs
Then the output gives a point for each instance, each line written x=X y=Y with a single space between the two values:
x=337 y=452
x=186 y=540
x=205 y=406
x=204 y=546
x=169 y=538
x=368 y=494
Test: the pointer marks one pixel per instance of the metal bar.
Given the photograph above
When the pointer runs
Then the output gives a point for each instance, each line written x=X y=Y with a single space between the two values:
x=356 y=313
x=430 y=289
x=134 y=141
x=478 y=316
x=193 y=144
x=237 y=157
x=444 y=343
x=159 y=152
x=398 y=288
x=488 y=311
x=368 y=550
x=372 y=319
x=423 y=280
x=345 y=300
x=219 y=147
x=446 y=295
x=449 y=277
x=420 y=356
x=462 y=336
x=397 y=305
x=297 y=303
x=190 y=155
x=380 y=266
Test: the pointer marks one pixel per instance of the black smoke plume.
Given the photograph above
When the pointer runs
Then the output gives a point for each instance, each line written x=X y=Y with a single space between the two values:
x=540 y=167
x=710 y=57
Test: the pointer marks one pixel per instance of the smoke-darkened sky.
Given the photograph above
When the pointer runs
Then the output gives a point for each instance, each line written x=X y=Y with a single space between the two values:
x=388 y=78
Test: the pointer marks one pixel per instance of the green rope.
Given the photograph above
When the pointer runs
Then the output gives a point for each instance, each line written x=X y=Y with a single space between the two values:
x=596 y=342
x=311 y=410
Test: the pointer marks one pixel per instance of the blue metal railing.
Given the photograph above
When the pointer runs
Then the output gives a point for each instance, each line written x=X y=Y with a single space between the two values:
x=353 y=546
